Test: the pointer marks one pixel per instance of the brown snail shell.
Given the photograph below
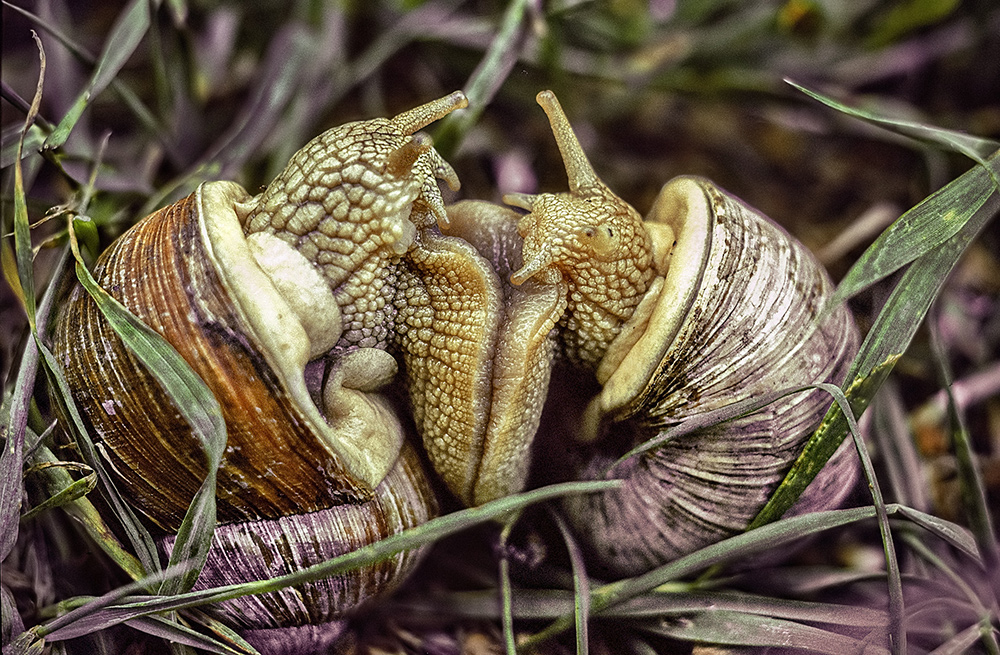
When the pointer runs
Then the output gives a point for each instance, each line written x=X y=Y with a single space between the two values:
x=297 y=484
x=705 y=303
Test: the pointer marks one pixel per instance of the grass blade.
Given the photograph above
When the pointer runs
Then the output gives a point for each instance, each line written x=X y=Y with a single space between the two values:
x=128 y=30
x=926 y=226
x=74 y=490
x=739 y=629
x=83 y=511
x=888 y=338
x=581 y=585
x=484 y=82
x=105 y=615
x=976 y=148
x=176 y=633
x=11 y=460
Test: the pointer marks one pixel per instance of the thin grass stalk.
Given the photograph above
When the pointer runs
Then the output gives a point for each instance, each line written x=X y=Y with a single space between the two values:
x=506 y=589
x=970 y=479
x=581 y=585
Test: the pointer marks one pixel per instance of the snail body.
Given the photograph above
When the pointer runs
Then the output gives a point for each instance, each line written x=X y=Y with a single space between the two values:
x=316 y=461
x=704 y=303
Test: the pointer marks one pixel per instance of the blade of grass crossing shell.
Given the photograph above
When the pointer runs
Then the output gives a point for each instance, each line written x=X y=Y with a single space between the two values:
x=137 y=535
x=128 y=30
x=428 y=533
x=888 y=338
x=195 y=403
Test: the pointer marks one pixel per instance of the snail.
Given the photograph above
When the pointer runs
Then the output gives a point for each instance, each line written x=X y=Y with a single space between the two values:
x=283 y=304
x=704 y=303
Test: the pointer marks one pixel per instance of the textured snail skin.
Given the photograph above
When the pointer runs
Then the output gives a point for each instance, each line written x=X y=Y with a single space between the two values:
x=351 y=202
x=248 y=310
x=705 y=303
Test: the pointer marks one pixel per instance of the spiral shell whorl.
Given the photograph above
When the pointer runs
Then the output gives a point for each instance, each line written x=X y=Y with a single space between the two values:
x=309 y=616
x=162 y=272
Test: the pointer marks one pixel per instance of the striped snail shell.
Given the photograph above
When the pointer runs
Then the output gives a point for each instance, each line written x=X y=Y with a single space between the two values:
x=704 y=303
x=316 y=463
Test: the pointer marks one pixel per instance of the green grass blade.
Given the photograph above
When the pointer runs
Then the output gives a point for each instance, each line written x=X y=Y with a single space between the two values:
x=22 y=231
x=975 y=148
x=11 y=460
x=924 y=227
x=488 y=77
x=128 y=30
x=74 y=490
x=136 y=533
x=888 y=338
x=506 y=593
x=89 y=617
x=581 y=586
x=83 y=511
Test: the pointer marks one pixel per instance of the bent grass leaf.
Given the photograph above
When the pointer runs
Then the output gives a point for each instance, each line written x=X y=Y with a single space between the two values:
x=975 y=148
x=74 y=490
x=83 y=511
